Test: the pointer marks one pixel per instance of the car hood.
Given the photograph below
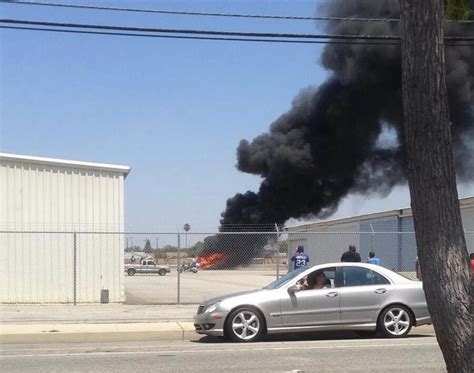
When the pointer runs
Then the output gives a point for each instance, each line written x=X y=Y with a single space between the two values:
x=232 y=295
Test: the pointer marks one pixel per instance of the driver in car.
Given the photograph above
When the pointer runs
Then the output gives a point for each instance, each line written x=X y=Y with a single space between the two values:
x=315 y=280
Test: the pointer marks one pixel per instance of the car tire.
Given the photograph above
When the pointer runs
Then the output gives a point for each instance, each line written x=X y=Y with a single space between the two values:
x=162 y=271
x=245 y=325
x=131 y=272
x=395 y=321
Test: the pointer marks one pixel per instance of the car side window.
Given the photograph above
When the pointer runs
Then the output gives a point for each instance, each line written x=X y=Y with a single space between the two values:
x=359 y=276
x=319 y=279
x=379 y=279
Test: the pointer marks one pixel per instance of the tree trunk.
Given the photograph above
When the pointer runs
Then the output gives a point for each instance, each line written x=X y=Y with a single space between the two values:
x=430 y=170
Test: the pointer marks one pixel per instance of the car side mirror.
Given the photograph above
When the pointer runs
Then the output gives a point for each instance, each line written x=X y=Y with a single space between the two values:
x=294 y=289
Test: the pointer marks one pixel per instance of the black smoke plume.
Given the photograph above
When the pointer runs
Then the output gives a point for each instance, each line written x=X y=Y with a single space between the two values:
x=329 y=144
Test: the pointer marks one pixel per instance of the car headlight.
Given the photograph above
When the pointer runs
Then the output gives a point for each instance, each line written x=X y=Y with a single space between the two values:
x=212 y=307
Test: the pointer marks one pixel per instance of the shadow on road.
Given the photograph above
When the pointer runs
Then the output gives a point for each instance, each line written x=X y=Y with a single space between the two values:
x=318 y=336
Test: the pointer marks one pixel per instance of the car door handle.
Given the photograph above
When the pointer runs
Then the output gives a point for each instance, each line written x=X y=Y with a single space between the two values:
x=380 y=291
x=332 y=294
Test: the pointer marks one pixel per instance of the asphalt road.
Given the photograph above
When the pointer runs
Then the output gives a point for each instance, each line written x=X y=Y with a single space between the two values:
x=418 y=353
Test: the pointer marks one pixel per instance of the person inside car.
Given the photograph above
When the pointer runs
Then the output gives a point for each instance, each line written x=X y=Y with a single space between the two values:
x=316 y=280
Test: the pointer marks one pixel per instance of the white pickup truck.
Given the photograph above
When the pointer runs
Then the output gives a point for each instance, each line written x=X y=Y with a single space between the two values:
x=147 y=266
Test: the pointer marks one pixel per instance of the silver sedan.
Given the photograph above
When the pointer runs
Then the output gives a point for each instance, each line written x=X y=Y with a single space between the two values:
x=335 y=296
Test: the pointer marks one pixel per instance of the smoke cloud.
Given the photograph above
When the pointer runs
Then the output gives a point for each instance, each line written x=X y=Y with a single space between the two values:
x=328 y=145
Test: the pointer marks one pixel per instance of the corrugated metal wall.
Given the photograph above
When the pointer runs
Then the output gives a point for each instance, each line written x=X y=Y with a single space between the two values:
x=468 y=225
x=327 y=246
x=39 y=267
x=387 y=246
x=397 y=251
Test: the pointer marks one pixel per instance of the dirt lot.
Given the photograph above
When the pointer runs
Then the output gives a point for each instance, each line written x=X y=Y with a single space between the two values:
x=154 y=289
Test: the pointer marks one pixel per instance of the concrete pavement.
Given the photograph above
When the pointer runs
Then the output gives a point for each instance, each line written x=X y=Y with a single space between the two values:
x=94 y=313
x=104 y=322
x=58 y=333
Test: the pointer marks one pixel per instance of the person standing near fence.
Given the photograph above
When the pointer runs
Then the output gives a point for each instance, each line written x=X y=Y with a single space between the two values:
x=351 y=255
x=372 y=259
x=300 y=259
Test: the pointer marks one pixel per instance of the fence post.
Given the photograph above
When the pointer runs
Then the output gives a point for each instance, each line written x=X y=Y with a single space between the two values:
x=277 y=245
x=288 y=268
x=399 y=243
x=178 y=257
x=75 y=269
x=372 y=237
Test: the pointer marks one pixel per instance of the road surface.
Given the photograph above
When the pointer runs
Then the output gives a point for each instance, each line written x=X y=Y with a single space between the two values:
x=418 y=353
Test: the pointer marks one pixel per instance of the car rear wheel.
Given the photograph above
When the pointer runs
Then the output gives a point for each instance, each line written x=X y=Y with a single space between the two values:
x=162 y=271
x=245 y=325
x=395 y=322
x=131 y=272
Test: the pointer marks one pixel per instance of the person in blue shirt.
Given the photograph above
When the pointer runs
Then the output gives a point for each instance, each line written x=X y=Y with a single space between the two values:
x=372 y=259
x=300 y=259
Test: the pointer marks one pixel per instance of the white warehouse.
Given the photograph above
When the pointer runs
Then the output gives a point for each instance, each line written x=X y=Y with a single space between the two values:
x=389 y=233
x=56 y=223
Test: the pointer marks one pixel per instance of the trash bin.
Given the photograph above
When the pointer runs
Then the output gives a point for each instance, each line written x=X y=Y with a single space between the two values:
x=104 y=296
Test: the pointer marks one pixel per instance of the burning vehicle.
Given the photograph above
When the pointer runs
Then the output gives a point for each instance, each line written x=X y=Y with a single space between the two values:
x=230 y=248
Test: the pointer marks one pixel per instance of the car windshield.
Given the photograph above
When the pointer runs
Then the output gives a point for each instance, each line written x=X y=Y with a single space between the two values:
x=283 y=280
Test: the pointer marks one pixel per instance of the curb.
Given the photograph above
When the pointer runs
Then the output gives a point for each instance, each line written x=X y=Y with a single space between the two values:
x=52 y=333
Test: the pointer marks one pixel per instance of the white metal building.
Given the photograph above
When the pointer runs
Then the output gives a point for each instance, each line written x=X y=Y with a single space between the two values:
x=389 y=234
x=46 y=207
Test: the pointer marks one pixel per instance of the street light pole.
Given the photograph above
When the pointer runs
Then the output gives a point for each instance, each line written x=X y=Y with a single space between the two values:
x=186 y=228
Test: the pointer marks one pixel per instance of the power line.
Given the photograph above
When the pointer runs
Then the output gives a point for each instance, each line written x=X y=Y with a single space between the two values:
x=212 y=14
x=182 y=37
x=200 y=32
x=213 y=33
x=207 y=14
x=285 y=41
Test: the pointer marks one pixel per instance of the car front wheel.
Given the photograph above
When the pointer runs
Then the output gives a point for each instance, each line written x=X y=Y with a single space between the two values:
x=245 y=325
x=395 y=322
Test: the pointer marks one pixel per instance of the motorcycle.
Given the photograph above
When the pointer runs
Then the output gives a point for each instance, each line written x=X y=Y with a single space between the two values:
x=187 y=268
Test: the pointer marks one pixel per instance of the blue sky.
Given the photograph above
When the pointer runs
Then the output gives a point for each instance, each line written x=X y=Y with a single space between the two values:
x=173 y=110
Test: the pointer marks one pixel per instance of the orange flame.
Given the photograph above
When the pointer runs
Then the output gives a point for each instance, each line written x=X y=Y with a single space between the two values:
x=211 y=260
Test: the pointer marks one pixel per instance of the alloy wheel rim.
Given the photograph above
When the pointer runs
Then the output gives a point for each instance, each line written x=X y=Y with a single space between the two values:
x=396 y=321
x=245 y=325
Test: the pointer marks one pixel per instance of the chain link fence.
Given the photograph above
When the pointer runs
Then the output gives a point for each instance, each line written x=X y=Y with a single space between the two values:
x=170 y=268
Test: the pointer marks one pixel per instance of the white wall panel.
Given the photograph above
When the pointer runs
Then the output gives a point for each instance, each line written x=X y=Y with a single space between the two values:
x=39 y=267
x=468 y=225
